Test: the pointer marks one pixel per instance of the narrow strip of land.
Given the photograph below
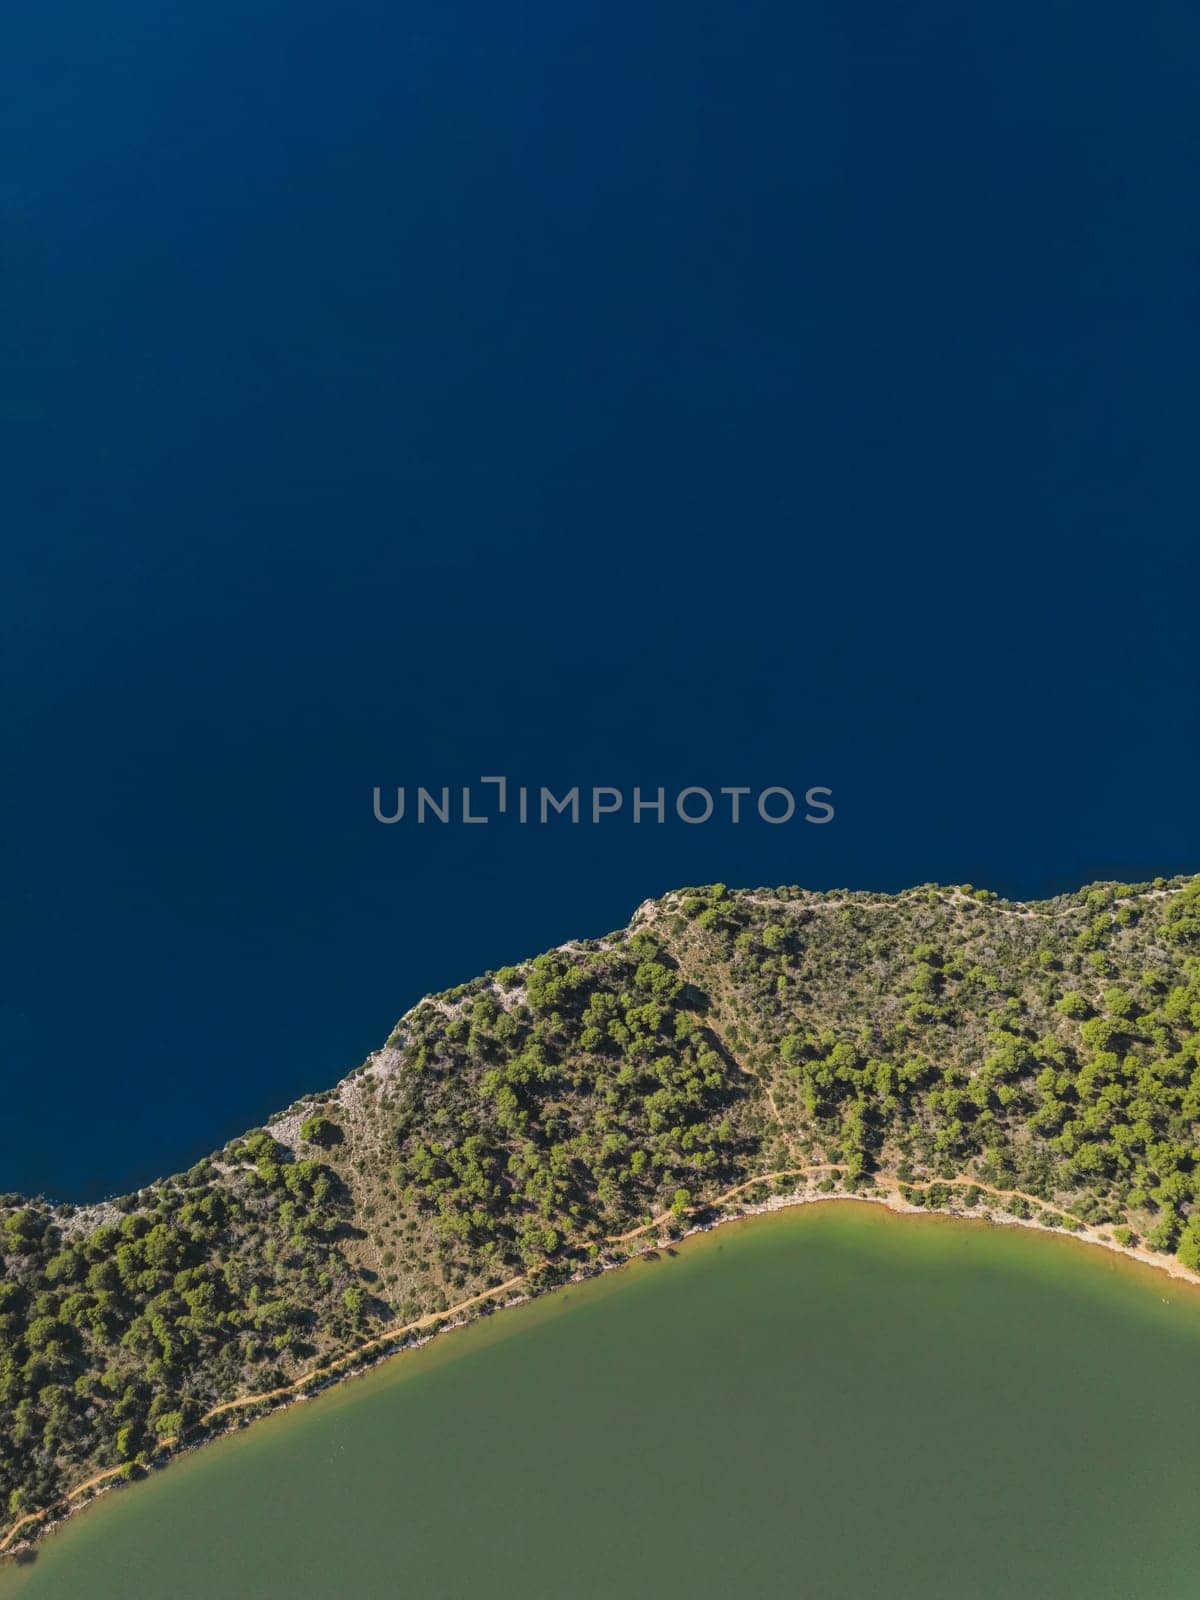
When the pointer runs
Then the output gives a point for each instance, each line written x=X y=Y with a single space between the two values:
x=887 y=1187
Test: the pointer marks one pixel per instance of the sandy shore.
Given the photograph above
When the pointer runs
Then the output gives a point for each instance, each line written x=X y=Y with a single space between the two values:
x=892 y=1199
x=648 y=1237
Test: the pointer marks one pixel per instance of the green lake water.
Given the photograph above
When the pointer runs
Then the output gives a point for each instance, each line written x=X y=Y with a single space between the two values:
x=829 y=1402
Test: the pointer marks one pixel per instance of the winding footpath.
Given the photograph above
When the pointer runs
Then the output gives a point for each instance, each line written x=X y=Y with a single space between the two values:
x=887 y=1191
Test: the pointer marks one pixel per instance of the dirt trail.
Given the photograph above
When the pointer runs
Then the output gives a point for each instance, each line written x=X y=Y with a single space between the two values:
x=317 y=1373
x=352 y=1356
x=71 y=1494
x=715 y=1022
x=885 y=1183
x=887 y=1189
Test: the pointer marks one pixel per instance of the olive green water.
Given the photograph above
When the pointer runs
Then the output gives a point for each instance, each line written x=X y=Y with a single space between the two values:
x=830 y=1402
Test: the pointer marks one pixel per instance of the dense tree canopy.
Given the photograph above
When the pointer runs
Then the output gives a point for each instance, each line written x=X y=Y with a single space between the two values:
x=521 y=1123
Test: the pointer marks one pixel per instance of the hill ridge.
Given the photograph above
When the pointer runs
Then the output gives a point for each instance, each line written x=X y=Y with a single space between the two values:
x=533 y=1122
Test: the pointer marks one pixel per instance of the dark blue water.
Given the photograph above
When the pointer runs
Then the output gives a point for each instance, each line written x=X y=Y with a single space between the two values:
x=394 y=393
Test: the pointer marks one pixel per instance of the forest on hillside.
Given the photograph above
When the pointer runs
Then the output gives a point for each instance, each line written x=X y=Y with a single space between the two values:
x=523 y=1122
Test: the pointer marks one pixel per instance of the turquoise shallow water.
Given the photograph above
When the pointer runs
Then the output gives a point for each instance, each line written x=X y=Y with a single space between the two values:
x=831 y=1402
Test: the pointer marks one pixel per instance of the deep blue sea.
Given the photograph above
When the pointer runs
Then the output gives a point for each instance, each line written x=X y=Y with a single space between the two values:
x=396 y=393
